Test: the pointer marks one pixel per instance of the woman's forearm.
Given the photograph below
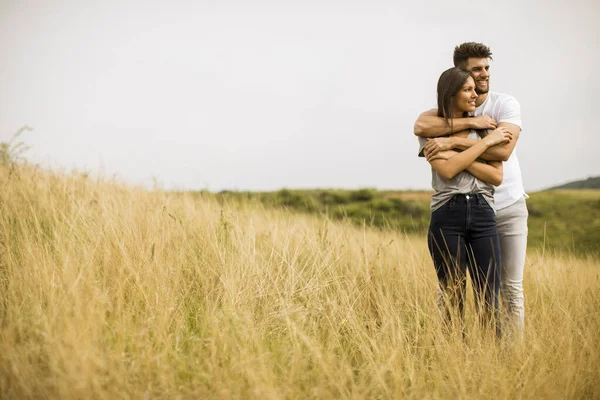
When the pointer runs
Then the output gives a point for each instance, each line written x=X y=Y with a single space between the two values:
x=452 y=166
x=491 y=173
x=494 y=153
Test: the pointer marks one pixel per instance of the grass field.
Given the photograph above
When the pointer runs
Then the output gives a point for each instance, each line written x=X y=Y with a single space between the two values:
x=114 y=292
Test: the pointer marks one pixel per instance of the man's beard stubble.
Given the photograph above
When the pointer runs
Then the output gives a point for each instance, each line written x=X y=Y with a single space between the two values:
x=482 y=91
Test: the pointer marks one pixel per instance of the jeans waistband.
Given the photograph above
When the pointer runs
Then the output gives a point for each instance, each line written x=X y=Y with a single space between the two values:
x=468 y=198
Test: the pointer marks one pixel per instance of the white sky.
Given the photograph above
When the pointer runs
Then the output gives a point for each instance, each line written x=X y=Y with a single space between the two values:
x=300 y=94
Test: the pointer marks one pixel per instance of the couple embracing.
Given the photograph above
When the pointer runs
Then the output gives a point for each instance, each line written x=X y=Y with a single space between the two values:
x=479 y=216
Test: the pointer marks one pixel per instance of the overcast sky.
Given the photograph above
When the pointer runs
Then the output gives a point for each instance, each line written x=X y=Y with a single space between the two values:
x=261 y=95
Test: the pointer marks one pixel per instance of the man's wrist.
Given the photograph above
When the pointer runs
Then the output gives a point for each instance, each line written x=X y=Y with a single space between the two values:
x=453 y=143
x=471 y=123
x=458 y=143
x=486 y=141
x=460 y=124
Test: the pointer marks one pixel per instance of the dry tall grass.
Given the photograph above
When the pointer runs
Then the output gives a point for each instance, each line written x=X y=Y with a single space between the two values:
x=114 y=292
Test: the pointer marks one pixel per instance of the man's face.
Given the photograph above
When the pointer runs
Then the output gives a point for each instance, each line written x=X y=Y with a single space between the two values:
x=480 y=70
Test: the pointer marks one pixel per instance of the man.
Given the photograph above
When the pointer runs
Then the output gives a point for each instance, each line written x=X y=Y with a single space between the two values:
x=494 y=110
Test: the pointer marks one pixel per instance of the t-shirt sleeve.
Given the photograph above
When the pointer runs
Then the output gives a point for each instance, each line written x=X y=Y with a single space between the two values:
x=422 y=143
x=510 y=112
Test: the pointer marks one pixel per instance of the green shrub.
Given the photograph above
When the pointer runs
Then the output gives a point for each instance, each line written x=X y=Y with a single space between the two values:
x=383 y=205
x=327 y=197
x=295 y=200
x=361 y=195
x=409 y=207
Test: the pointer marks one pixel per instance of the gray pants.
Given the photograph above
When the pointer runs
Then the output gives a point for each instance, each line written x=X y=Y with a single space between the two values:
x=512 y=228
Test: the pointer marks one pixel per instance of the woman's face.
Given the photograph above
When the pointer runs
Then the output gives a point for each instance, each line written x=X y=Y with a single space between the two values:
x=465 y=99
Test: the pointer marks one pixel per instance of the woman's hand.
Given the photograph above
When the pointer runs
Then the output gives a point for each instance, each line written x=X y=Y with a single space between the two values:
x=500 y=135
x=435 y=145
x=442 y=155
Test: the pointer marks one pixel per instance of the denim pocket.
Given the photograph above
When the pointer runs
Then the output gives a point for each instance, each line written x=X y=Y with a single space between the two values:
x=485 y=205
x=443 y=208
x=483 y=209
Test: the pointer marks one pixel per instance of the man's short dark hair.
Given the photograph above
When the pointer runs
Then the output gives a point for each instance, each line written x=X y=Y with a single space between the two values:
x=467 y=50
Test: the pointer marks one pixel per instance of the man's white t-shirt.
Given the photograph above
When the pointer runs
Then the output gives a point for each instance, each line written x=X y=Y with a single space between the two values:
x=505 y=108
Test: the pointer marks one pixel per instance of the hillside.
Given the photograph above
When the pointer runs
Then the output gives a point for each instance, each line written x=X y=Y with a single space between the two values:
x=559 y=220
x=112 y=292
x=589 y=183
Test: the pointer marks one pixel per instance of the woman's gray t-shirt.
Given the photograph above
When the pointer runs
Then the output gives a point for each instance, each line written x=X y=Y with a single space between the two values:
x=463 y=182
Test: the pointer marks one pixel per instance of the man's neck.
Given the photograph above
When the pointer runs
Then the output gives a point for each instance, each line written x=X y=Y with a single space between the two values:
x=481 y=99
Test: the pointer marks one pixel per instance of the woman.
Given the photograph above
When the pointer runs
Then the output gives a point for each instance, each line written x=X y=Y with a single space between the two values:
x=462 y=232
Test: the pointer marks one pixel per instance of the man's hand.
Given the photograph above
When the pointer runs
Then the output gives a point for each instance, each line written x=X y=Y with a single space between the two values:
x=500 y=135
x=442 y=155
x=435 y=145
x=484 y=122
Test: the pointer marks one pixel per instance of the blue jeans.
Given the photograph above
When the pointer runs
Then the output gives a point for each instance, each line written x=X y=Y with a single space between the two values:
x=463 y=237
